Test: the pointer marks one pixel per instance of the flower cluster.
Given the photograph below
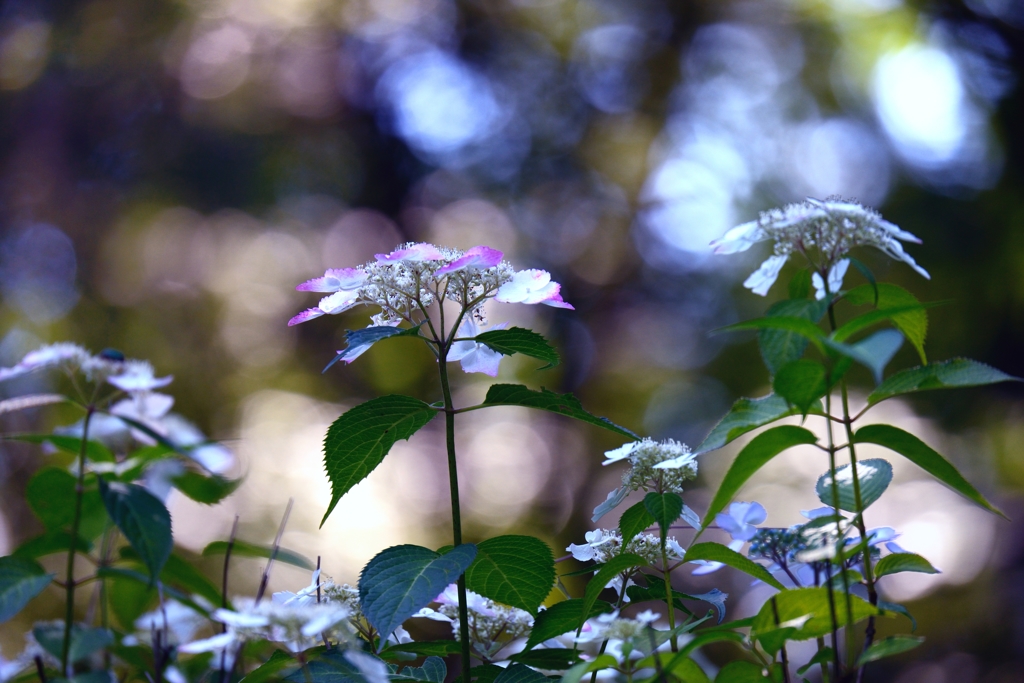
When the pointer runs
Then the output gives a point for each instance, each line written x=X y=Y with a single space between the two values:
x=614 y=628
x=604 y=544
x=823 y=231
x=414 y=276
x=663 y=466
x=108 y=365
x=492 y=626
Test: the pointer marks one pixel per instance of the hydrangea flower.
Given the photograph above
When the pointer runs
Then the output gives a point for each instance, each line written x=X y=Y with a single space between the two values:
x=824 y=232
x=492 y=626
x=67 y=356
x=741 y=520
x=474 y=356
x=603 y=544
x=653 y=465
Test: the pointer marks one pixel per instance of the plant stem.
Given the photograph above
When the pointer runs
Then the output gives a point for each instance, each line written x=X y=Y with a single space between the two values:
x=782 y=651
x=69 y=608
x=669 y=602
x=453 y=479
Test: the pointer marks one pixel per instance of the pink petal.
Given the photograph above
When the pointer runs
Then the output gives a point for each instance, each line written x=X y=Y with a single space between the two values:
x=421 y=251
x=307 y=314
x=556 y=299
x=335 y=280
x=476 y=257
x=518 y=289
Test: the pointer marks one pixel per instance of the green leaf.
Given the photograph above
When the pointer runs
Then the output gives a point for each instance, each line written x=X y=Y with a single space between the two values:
x=51 y=495
x=432 y=671
x=903 y=562
x=520 y=673
x=548 y=658
x=785 y=323
x=715 y=552
x=781 y=347
x=683 y=669
x=243 y=549
x=270 y=669
x=913 y=324
x=358 y=341
x=665 y=508
x=94 y=450
x=129 y=600
x=485 y=673
x=761 y=449
x=563 y=404
x=358 y=440
x=874 y=353
x=958 y=372
x=893 y=645
x=874 y=474
x=436 y=648
x=800 y=285
x=898 y=609
x=513 y=570
x=401 y=580
x=561 y=618
x=633 y=521
x=143 y=520
x=609 y=570
x=822 y=656
x=599 y=663
x=866 y=320
x=49 y=543
x=20 y=581
x=84 y=641
x=922 y=455
x=795 y=604
x=182 y=573
x=206 y=490
x=741 y=672
x=326 y=666
x=802 y=383
x=520 y=340
x=746 y=415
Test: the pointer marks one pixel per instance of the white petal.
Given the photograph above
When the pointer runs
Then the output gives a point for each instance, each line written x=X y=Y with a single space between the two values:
x=740 y=238
x=619 y=453
x=482 y=359
x=338 y=302
x=762 y=279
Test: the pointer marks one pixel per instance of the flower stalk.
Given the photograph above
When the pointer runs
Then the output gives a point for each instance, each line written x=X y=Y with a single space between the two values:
x=76 y=523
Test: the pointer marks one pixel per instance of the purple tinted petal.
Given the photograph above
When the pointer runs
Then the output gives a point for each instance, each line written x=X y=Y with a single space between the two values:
x=421 y=251
x=476 y=257
x=335 y=280
x=307 y=314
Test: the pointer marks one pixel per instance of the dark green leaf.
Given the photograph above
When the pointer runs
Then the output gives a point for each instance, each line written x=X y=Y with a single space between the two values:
x=706 y=637
x=358 y=440
x=142 y=579
x=563 y=404
x=745 y=415
x=94 y=450
x=520 y=340
x=49 y=543
x=781 y=347
x=866 y=320
x=84 y=641
x=898 y=609
x=513 y=570
x=903 y=562
x=913 y=324
x=800 y=286
x=271 y=669
x=485 y=673
x=797 y=603
x=715 y=552
x=874 y=353
x=612 y=568
x=784 y=323
x=129 y=599
x=958 y=372
x=520 y=673
x=761 y=449
x=741 y=672
x=922 y=455
x=357 y=341
x=243 y=549
x=436 y=648
x=548 y=658
x=822 y=656
x=578 y=671
x=802 y=383
x=327 y=666
x=893 y=645
x=665 y=508
x=51 y=495
x=561 y=618
x=206 y=490
x=874 y=476
x=20 y=581
x=633 y=521
x=143 y=520
x=401 y=580
x=432 y=671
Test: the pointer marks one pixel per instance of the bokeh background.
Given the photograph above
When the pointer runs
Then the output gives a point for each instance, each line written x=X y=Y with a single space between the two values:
x=170 y=169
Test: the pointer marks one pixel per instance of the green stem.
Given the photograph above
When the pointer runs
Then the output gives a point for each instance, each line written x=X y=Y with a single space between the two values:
x=69 y=608
x=670 y=603
x=453 y=479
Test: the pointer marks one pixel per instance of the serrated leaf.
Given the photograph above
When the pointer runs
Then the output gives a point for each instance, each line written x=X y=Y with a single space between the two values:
x=49 y=543
x=781 y=347
x=513 y=570
x=84 y=640
x=716 y=552
x=922 y=455
x=797 y=603
x=203 y=489
x=665 y=508
x=358 y=341
x=634 y=520
x=548 y=658
x=746 y=415
x=328 y=666
x=874 y=476
x=520 y=340
x=51 y=495
x=822 y=656
x=866 y=320
x=432 y=671
x=607 y=572
x=94 y=450
x=898 y=609
x=270 y=669
x=913 y=324
x=358 y=440
x=485 y=673
x=958 y=372
x=20 y=581
x=243 y=549
x=563 y=404
x=520 y=673
x=801 y=383
x=800 y=284
x=784 y=323
x=903 y=562
x=143 y=520
x=893 y=645
x=761 y=449
x=401 y=580
x=561 y=618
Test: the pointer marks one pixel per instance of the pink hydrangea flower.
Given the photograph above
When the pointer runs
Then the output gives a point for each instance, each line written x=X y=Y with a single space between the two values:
x=476 y=257
x=532 y=287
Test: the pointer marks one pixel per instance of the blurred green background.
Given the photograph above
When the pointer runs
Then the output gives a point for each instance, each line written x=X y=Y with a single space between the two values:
x=171 y=169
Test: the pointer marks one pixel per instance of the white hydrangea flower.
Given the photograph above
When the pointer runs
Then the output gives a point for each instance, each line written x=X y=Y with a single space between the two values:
x=604 y=544
x=492 y=626
x=824 y=232
x=138 y=376
x=61 y=354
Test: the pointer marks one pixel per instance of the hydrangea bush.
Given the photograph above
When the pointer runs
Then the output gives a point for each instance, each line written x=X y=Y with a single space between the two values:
x=512 y=618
